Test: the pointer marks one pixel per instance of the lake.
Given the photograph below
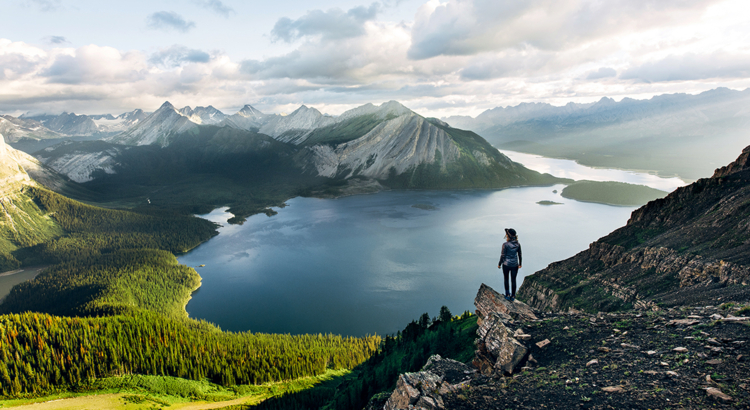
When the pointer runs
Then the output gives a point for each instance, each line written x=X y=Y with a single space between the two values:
x=372 y=263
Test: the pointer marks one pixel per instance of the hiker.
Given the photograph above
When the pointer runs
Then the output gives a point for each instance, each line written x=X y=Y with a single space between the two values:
x=510 y=261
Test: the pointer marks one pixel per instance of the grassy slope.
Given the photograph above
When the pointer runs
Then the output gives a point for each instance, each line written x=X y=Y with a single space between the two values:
x=139 y=391
x=22 y=224
x=611 y=193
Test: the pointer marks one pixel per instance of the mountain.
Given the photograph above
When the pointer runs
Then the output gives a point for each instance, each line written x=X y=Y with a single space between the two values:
x=67 y=123
x=687 y=248
x=392 y=143
x=168 y=158
x=157 y=128
x=248 y=118
x=15 y=129
x=672 y=134
x=388 y=143
x=22 y=223
x=203 y=115
x=110 y=124
x=297 y=126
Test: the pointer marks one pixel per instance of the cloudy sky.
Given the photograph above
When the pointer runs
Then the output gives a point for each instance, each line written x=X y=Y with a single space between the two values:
x=438 y=57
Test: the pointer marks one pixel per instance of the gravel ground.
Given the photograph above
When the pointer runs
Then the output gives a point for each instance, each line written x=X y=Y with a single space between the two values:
x=626 y=361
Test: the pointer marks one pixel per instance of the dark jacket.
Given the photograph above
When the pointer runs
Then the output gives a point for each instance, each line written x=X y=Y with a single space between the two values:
x=510 y=255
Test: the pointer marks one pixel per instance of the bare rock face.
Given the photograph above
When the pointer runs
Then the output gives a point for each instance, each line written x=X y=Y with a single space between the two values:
x=488 y=301
x=498 y=352
x=424 y=389
x=671 y=252
x=498 y=349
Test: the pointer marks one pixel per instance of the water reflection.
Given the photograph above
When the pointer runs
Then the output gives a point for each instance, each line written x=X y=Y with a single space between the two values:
x=370 y=264
x=565 y=168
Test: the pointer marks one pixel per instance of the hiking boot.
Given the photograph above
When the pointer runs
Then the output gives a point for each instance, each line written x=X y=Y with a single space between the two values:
x=512 y=298
x=507 y=297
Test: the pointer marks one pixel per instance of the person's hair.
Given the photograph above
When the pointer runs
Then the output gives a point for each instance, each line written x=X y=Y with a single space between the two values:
x=512 y=238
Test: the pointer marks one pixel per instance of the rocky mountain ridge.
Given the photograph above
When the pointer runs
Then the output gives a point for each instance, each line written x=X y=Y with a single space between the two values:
x=693 y=357
x=375 y=143
x=695 y=239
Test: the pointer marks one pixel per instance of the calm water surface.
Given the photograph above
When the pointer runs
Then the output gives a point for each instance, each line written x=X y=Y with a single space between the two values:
x=371 y=263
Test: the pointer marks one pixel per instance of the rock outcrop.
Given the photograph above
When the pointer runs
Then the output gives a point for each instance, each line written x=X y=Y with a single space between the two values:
x=498 y=349
x=698 y=237
x=424 y=389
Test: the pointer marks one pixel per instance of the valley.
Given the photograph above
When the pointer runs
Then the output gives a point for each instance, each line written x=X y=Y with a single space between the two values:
x=286 y=230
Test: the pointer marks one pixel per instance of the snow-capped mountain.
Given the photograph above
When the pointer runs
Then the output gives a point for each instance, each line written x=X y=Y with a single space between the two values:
x=111 y=124
x=67 y=123
x=13 y=129
x=248 y=118
x=297 y=126
x=203 y=115
x=157 y=128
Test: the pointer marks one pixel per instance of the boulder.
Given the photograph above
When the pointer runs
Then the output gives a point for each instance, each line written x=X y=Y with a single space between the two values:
x=497 y=350
x=488 y=300
x=424 y=389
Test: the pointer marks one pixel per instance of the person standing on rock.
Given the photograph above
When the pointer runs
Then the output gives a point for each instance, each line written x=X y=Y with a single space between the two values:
x=510 y=261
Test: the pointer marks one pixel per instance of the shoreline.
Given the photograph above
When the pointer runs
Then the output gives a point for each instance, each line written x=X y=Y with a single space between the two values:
x=35 y=270
x=24 y=269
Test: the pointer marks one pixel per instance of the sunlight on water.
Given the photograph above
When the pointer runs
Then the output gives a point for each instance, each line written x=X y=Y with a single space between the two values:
x=565 y=168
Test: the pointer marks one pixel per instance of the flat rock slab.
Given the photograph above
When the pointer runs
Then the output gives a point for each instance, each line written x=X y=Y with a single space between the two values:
x=683 y=322
x=613 y=389
x=714 y=392
x=543 y=343
x=488 y=301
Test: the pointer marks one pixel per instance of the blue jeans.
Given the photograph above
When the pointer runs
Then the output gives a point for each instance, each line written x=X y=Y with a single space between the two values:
x=513 y=271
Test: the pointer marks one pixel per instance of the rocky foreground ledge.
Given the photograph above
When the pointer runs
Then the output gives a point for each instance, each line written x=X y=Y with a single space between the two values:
x=695 y=357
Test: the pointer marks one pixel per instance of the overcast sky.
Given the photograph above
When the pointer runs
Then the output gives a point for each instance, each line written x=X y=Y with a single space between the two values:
x=439 y=58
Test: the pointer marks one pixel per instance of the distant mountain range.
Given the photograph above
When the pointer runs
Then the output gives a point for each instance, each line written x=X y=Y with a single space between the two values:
x=250 y=155
x=673 y=134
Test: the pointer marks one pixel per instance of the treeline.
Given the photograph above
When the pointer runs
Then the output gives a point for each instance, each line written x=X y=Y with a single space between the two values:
x=92 y=230
x=108 y=261
x=114 y=283
x=40 y=353
x=407 y=351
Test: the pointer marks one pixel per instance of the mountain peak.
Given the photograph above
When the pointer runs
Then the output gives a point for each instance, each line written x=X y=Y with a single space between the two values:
x=249 y=111
x=167 y=106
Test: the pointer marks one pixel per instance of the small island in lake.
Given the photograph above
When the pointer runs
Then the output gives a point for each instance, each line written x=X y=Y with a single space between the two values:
x=549 y=203
x=426 y=207
x=612 y=193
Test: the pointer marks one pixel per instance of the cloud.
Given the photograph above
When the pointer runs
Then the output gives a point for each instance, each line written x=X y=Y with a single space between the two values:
x=216 y=6
x=177 y=55
x=44 y=5
x=56 y=40
x=467 y=27
x=691 y=66
x=94 y=65
x=330 y=25
x=602 y=72
x=169 y=20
